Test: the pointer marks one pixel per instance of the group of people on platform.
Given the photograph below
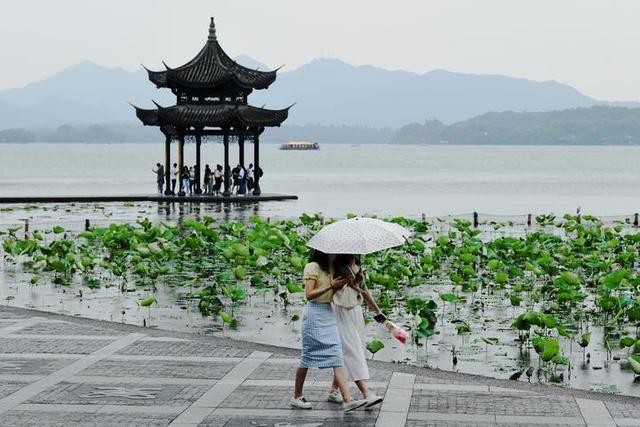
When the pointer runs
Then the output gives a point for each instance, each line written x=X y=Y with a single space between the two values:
x=242 y=180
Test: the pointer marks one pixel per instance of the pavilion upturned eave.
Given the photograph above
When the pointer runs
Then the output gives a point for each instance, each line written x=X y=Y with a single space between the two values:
x=212 y=116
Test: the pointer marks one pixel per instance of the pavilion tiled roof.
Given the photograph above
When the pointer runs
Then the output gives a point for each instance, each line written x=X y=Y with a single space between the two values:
x=212 y=67
x=212 y=115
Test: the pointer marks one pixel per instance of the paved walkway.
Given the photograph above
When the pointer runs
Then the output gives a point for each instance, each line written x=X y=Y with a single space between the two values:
x=63 y=371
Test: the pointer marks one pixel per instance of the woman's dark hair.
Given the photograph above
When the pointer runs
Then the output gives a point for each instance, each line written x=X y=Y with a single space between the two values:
x=321 y=258
x=342 y=267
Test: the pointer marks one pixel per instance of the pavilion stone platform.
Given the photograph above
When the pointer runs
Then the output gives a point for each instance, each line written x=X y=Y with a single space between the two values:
x=198 y=198
x=66 y=371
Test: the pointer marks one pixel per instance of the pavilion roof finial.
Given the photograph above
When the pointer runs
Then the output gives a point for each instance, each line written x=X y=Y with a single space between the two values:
x=212 y=31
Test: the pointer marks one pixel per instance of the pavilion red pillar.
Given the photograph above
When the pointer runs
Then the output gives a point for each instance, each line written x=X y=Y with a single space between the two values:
x=256 y=164
x=227 y=169
x=180 y=162
x=198 y=168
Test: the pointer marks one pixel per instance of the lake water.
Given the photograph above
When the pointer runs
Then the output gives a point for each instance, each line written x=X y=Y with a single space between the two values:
x=376 y=179
x=499 y=182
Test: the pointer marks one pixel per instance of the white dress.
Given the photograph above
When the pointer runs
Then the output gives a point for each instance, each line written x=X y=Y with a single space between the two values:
x=348 y=309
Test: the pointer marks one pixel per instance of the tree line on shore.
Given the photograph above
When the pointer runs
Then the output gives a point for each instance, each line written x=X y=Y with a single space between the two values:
x=598 y=125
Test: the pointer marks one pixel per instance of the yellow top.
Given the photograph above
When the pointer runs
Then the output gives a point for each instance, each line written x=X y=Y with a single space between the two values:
x=323 y=280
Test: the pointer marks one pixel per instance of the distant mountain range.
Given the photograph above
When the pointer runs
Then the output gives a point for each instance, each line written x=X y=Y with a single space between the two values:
x=326 y=92
x=597 y=125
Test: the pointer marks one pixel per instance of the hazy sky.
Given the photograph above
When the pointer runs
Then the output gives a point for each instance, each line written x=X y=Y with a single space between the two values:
x=593 y=45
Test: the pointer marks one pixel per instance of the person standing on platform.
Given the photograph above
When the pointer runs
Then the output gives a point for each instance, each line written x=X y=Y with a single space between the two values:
x=242 y=186
x=159 y=171
x=217 y=177
x=174 y=177
x=186 y=182
x=208 y=181
x=192 y=179
x=250 y=182
x=235 y=175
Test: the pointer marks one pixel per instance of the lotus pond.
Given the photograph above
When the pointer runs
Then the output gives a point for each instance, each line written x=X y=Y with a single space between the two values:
x=557 y=301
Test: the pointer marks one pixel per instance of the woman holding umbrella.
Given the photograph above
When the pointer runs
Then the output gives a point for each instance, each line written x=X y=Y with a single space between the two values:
x=347 y=303
x=355 y=236
x=321 y=345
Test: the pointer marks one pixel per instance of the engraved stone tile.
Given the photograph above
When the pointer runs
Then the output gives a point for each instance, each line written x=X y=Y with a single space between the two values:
x=485 y=403
x=186 y=348
x=17 y=418
x=66 y=328
x=119 y=394
x=32 y=366
x=278 y=398
x=29 y=345
x=278 y=371
x=158 y=368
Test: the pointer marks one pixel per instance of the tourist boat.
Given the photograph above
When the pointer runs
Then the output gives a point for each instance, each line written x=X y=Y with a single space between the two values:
x=300 y=145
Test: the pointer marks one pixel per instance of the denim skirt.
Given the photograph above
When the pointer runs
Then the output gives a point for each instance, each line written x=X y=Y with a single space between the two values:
x=321 y=344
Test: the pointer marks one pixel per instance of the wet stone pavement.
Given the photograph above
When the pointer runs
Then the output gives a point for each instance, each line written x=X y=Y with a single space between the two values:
x=64 y=371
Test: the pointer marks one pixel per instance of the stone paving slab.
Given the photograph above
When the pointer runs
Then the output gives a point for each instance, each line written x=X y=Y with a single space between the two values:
x=64 y=328
x=443 y=423
x=218 y=421
x=288 y=417
x=183 y=348
x=119 y=394
x=18 y=418
x=30 y=345
x=8 y=387
x=32 y=366
x=7 y=313
x=622 y=410
x=155 y=368
x=278 y=370
x=484 y=403
x=278 y=398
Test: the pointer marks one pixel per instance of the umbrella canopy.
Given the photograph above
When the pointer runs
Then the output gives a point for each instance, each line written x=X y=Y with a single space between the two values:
x=358 y=236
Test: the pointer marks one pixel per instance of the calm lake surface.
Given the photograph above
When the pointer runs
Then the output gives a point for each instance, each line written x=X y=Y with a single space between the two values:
x=376 y=179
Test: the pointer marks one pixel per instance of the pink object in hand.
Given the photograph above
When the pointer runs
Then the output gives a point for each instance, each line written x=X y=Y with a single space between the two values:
x=400 y=334
x=397 y=332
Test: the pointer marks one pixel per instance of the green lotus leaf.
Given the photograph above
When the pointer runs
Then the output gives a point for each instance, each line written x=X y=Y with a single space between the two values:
x=490 y=340
x=627 y=342
x=147 y=301
x=375 y=346
x=634 y=362
x=584 y=340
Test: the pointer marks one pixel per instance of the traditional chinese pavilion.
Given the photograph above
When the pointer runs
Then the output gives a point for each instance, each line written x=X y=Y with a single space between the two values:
x=211 y=101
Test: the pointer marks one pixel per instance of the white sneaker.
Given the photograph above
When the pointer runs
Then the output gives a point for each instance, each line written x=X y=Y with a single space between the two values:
x=300 y=403
x=354 y=404
x=372 y=400
x=334 y=397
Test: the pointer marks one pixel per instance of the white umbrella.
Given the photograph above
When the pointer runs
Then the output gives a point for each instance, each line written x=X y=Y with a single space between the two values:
x=358 y=236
